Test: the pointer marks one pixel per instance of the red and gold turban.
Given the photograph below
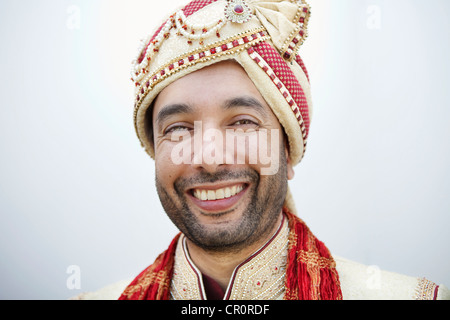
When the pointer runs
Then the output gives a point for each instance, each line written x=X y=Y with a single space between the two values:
x=263 y=36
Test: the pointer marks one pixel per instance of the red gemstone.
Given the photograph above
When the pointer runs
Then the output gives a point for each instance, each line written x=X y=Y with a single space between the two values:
x=224 y=47
x=201 y=55
x=235 y=43
x=238 y=9
x=213 y=50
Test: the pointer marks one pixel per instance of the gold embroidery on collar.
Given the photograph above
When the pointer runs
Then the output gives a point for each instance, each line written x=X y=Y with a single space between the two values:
x=261 y=277
x=186 y=280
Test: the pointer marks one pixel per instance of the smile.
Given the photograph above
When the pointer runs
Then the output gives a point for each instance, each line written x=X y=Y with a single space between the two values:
x=218 y=194
x=219 y=199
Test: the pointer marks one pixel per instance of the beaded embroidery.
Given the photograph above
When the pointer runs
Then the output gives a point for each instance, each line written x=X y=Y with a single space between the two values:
x=426 y=290
x=237 y=11
x=300 y=113
x=261 y=277
x=299 y=35
x=230 y=46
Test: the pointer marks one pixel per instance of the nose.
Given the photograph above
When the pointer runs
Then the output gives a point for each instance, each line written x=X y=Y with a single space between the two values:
x=209 y=152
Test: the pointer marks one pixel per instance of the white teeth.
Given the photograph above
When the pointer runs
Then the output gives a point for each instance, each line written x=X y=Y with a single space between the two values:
x=227 y=193
x=220 y=194
x=211 y=195
x=217 y=194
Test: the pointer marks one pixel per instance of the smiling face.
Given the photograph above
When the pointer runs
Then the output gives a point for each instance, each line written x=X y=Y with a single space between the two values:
x=225 y=204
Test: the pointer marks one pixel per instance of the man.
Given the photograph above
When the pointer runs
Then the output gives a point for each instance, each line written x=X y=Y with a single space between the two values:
x=220 y=87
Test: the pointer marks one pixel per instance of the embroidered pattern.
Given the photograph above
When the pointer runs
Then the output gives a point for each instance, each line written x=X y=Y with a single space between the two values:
x=299 y=35
x=316 y=279
x=283 y=77
x=187 y=281
x=426 y=290
x=151 y=45
x=216 y=50
x=300 y=62
x=304 y=280
x=196 y=5
x=153 y=283
x=261 y=277
x=237 y=11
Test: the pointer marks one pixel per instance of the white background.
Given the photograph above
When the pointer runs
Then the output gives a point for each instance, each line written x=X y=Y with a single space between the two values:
x=77 y=189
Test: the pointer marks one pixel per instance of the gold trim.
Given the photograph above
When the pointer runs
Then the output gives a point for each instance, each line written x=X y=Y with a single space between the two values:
x=425 y=290
x=296 y=32
x=262 y=277
x=148 y=83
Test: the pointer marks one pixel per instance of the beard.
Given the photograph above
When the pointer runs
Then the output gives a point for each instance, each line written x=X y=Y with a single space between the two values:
x=265 y=199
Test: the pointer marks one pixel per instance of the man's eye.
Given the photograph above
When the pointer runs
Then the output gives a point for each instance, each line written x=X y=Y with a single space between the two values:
x=244 y=122
x=175 y=129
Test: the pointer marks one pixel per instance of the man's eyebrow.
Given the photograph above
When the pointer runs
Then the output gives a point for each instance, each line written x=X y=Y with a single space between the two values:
x=245 y=101
x=170 y=110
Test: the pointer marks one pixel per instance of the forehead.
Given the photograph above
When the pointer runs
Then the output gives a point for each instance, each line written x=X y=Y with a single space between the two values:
x=208 y=86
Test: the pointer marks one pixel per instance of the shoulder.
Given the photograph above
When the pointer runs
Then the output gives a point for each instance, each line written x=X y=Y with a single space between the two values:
x=111 y=292
x=361 y=282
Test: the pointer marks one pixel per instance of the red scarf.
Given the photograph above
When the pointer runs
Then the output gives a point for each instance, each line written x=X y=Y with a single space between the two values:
x=310 y=274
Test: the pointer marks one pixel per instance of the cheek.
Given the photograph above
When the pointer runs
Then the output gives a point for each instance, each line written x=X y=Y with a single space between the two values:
x=265 y=151
x=164 y=168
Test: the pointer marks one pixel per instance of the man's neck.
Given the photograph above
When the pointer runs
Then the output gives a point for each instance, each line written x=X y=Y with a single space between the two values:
x=220 y=265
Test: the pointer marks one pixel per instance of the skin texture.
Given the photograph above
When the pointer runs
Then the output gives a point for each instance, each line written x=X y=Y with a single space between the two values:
x=220 y=234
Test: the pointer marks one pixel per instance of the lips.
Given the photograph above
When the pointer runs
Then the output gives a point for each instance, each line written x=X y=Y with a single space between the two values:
x=217 y=199
x=218 y=194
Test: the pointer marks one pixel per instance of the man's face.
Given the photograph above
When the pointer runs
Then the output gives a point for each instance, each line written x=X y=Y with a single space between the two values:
x=216 y=117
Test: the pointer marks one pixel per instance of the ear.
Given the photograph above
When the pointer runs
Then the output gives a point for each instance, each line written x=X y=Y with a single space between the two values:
x=289 y=166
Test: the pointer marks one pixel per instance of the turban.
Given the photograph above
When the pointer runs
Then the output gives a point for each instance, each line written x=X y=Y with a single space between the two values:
x=263 y=36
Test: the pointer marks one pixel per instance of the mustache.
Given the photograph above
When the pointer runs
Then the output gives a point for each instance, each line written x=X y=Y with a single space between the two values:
x=203 y=177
